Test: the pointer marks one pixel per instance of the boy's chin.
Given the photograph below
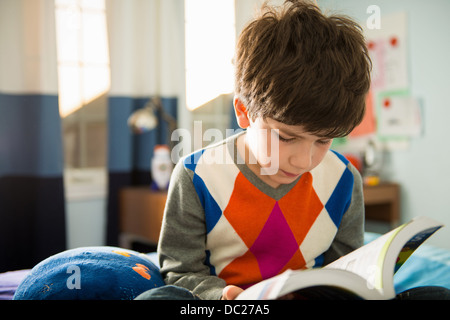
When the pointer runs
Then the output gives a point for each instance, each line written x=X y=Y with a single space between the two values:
x=280 y=178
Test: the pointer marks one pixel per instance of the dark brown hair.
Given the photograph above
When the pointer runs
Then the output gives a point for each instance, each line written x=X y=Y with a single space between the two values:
x=300 y=67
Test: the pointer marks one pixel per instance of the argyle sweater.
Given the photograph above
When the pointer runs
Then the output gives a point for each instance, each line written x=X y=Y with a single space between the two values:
x=221 y=220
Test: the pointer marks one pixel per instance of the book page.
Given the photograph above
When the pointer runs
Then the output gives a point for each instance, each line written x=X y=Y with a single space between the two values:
x=370 y=260
x=412 y=245
x=273 y=288
x=367 y=261
x=268 y=289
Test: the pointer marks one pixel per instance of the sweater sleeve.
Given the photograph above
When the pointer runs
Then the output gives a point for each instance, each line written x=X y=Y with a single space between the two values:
x=181 y=247
x=350 y=235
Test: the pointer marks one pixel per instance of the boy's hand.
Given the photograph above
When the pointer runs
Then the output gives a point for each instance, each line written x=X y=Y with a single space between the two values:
x=231 y=292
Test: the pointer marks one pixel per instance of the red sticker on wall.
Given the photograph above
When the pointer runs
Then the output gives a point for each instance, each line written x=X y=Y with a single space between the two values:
x=394 y=41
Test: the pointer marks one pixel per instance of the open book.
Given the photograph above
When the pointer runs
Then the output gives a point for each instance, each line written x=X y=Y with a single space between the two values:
x=366 y=273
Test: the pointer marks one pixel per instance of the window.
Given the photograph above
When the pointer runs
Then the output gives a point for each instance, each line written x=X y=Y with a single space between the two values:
x=83 y=79
x=210 y=42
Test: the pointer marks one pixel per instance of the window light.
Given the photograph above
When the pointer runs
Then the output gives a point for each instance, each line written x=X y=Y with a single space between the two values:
x=210 y=41
x=83 y=57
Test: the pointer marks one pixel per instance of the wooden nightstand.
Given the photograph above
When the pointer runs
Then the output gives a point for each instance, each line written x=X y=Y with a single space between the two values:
x=382 y=203
x=141 y=212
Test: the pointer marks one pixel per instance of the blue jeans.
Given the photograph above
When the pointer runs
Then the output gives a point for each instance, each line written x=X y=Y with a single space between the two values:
x=171 y=292
x=168 y=292
x=425 y=293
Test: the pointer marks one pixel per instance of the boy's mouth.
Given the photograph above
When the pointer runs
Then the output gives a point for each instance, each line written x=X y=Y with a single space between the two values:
x=290 y=175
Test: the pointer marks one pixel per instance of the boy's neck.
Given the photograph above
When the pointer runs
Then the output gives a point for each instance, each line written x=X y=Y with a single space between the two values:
x=244 y=152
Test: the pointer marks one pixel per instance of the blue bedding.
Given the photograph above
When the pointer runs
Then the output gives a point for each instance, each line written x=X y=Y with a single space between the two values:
x=428 y=266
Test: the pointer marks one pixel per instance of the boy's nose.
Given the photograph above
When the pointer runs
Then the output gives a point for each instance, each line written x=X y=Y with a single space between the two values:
x=302 y=159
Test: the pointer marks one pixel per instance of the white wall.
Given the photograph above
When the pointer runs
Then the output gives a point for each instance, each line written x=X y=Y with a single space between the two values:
x=246 y=9
x=422 y=169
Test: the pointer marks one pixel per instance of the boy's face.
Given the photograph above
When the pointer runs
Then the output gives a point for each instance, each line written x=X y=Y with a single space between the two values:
x=284 y=151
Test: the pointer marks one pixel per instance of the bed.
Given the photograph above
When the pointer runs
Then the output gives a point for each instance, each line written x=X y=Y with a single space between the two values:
x=428 y=266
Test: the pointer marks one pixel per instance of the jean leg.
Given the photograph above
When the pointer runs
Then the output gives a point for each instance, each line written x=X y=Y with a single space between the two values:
x=168 y=292
x=425 y=293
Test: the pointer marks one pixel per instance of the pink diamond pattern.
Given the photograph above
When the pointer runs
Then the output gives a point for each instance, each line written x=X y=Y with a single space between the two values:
x=275 y=245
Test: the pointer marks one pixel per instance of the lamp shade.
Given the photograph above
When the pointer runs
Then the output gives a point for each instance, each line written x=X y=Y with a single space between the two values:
x=142 y=120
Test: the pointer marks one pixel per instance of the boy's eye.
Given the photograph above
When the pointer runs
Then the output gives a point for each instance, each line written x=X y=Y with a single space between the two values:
x=324 y=142
x=285 y=139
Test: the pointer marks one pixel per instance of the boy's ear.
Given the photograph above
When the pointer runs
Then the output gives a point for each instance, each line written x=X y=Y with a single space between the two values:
x=241 y=113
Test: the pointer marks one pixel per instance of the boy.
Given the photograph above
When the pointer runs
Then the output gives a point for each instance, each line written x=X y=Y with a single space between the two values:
x=230 y=222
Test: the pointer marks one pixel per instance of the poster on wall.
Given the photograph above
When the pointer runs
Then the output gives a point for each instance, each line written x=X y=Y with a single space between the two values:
x=368 y=124
x=397 y=114
x=389 y=53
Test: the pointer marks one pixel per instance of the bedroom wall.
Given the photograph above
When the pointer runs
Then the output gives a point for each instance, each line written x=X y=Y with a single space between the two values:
x=422 y=168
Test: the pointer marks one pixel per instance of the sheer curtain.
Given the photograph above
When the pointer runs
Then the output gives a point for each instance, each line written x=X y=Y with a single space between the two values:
x=146 y=39
x=32 y=211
